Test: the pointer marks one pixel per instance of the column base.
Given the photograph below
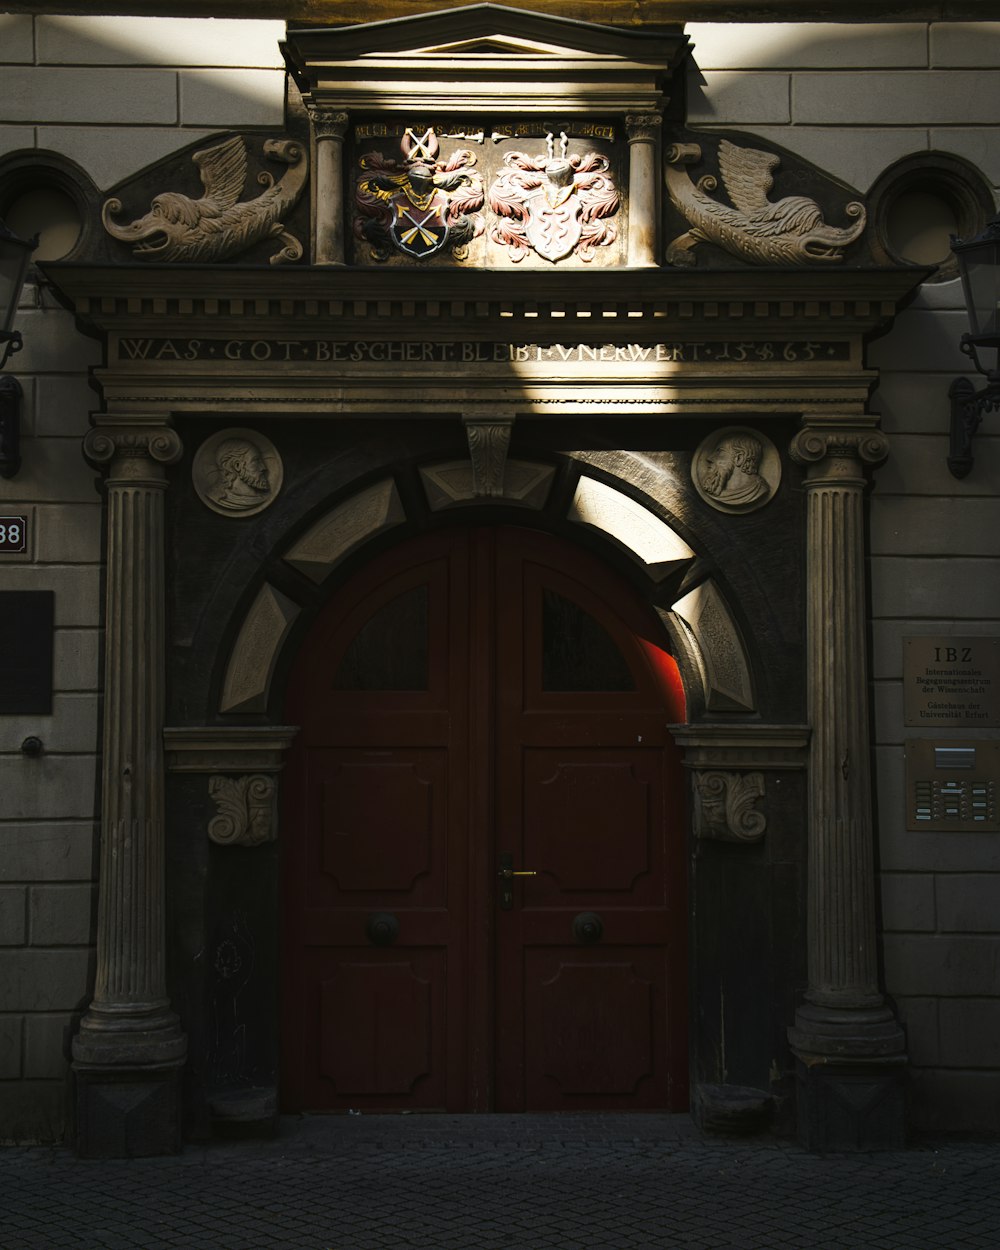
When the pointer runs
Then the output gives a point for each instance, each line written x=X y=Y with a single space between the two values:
x=851 y=1104
x=846 y=1032
x=127 y=1113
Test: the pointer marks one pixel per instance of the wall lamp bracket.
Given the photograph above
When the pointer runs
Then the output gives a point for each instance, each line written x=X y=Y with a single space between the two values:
x=10 y=425
x=968 y=407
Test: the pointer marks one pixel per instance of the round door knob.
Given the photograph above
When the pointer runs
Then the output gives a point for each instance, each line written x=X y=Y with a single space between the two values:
x=382 y=928
x=588 y=927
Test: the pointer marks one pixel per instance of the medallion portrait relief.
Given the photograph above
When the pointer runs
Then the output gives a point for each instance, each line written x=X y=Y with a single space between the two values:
x=736 y=469
x=237 y=472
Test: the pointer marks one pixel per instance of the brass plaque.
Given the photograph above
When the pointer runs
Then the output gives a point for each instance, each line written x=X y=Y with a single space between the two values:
x=952 y=785
x=951 y=682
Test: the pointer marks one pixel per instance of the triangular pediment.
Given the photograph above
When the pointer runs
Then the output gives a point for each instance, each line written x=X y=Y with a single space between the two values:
x=484 y=55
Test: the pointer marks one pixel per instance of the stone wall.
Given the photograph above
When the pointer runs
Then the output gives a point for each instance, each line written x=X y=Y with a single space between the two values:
x=855 y=99
x=115 y=94
x=112 y=94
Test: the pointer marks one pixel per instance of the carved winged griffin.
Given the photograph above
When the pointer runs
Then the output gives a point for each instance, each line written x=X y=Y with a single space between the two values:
x=220 y=224
x=790 y=231
x=554 y=205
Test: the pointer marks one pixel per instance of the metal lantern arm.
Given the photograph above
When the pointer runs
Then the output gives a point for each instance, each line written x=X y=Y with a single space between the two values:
x=15 y=254
x=979 y=265
x=11 y=342
x=968 y=407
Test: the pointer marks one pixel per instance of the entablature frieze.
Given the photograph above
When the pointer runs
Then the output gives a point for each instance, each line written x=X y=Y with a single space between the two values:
x=316 y=341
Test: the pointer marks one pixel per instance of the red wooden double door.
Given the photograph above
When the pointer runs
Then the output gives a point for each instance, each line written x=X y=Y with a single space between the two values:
x=476 y=705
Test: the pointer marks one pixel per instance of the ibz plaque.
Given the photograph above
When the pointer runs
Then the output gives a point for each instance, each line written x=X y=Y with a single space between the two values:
x=951 y=682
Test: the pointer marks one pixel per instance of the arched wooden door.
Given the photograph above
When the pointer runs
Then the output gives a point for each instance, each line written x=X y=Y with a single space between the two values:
x=475 y=705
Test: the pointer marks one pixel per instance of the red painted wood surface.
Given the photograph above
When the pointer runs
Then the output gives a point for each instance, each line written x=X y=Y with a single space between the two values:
x=402 y=801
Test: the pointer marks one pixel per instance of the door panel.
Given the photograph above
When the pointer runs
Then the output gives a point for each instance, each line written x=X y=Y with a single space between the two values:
x=470 y=694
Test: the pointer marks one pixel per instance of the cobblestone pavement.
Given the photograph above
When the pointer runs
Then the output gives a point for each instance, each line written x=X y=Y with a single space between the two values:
x=517 y=1182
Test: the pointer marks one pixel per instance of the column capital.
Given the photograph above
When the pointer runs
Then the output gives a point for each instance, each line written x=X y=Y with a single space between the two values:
x=643 y=127
x=134 y=452
x=328 y=123
x=855 y=442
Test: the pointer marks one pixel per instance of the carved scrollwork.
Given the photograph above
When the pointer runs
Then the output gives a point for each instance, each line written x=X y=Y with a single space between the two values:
x=159 y=443
x=643 y=127
x=246 y=809
x=725 y=808
x=328 y=123
x=814 y=444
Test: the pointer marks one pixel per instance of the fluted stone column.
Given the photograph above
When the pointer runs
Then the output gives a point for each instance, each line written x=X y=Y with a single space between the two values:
x=847 y=1041
x=643 y=136
x=130 y=1047
x=329 y=128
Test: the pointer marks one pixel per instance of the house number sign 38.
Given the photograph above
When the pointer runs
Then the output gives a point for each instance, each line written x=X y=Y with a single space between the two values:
x=13 y=534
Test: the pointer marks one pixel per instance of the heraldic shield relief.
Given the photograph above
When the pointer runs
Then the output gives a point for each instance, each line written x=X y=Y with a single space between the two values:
x=555 y=205
x=419 y=205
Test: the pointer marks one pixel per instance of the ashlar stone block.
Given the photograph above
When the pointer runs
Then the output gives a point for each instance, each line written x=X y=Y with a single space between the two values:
x=45 y=980
x=49 y=787
x=11 y=1029
x=69 y=533
x=46 y=1045
x=52 y=469
x=965 y=44
x=970 y=1033
x=61 y=915
x=931 y=964
x=918 y=466
x=72 y=727
x=47 y=94
x=947 y=526
x=76 y=659
x=12 y=915
x=979 y=146
x=913 y=587
x=967 y=902
x=736 y=99
x=119 y=40
x=47 y=852
x=232 y=97
x=894 y=98
x=807 y=45
x=908 y=902
x=17 y=41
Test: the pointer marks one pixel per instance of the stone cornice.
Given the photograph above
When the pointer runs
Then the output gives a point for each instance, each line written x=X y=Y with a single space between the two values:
x=599 y=305
x=630 y=13
x=742 y=745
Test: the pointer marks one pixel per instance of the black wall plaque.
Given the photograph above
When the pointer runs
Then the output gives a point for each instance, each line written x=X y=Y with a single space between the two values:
x=26 y=629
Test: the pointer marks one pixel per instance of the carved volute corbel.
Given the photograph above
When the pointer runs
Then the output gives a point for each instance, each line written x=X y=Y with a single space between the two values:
x=489 y=443
x=133 y=453
x=246 y=809
x=725 y=806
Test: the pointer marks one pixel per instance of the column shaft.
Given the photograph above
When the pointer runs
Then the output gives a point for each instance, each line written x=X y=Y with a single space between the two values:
x=129 y=1031
x=643 y=134
x=329 y=128
x=844 y=1012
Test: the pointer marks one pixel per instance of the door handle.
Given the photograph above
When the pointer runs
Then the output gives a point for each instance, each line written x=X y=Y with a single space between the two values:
x=507 y=873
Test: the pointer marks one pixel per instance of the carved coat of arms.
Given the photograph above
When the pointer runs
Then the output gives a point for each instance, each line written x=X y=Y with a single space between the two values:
x=554 y=205
x=420 y=205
